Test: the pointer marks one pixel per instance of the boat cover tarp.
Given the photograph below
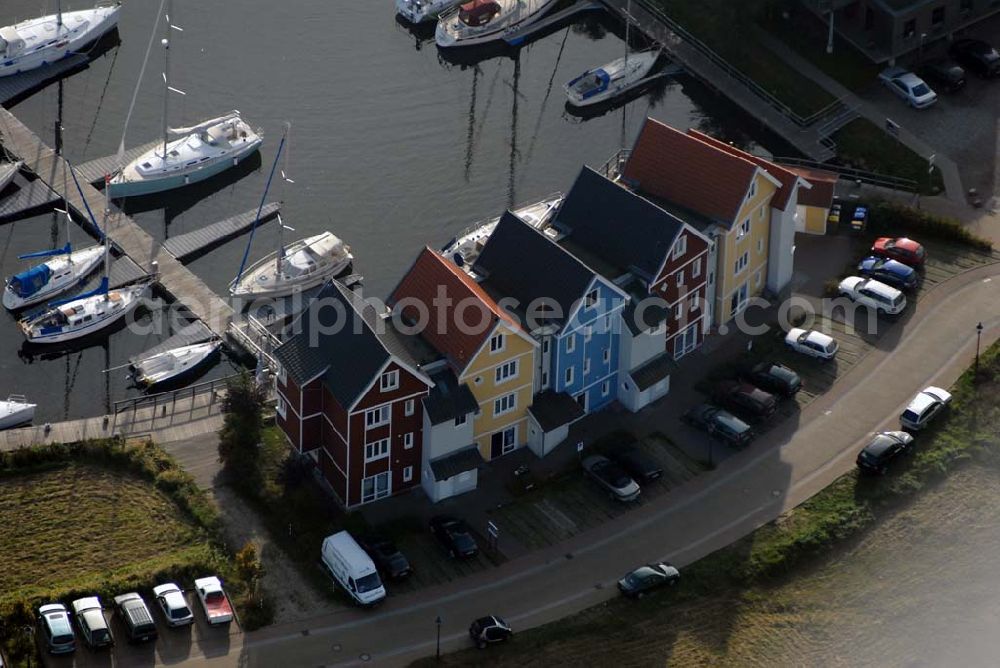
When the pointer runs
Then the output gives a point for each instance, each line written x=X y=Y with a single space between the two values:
x=29 y=282
x=591 y=83
x=478 y=12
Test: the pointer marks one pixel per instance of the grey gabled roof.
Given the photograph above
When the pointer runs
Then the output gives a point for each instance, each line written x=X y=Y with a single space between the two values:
x=620 y=226
x=340 y=335
x=448 y=400
x=653 y=371
x=520 y=262
x=553 y=409
x=460 y=461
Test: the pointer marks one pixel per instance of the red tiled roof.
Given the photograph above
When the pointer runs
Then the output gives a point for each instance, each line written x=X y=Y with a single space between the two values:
x=683 y=169
x=784 y=175
x=823 y=183
x=432 y=273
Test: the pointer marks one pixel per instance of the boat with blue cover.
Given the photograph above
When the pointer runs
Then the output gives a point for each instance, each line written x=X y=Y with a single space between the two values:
x=609 y=81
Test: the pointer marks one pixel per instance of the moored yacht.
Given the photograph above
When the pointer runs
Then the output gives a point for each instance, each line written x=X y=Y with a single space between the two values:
x=419 y=11
x=83 y=315
x=202 y=151
x=16 y=411
x=299 y=266
x=51 y=278
x=33 y=43
x=609 y=81
x=478 y=22
x=174 y=363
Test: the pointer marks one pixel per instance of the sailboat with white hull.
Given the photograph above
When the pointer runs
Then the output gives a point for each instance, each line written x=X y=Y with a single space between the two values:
x=66 y=269
x=173 y=364
x=195 y=153
x=82 y=315
x=479 y=22
x=37 y=42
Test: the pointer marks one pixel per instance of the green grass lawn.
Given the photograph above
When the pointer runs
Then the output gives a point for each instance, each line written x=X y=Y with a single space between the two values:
x=68 y=527
x=863 y=145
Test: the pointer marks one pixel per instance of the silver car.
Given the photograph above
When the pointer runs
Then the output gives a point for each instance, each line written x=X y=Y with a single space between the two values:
x=612 y=478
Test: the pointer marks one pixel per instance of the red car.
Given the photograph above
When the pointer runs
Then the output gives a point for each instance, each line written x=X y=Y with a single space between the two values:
x=900 y=249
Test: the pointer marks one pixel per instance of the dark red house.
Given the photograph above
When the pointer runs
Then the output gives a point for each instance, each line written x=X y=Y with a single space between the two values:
x=349 y=396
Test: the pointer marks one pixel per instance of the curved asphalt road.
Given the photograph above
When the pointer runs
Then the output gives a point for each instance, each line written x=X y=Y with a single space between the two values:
x=786 y=467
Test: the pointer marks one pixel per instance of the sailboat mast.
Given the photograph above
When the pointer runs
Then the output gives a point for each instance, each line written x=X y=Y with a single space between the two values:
x=166 y=77
x=107 y=215
x=59 y=21
x=69 y=246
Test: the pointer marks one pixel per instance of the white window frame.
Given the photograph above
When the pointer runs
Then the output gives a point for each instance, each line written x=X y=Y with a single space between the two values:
x=279 y=407
x=756 y=280
x=590 y=299
x=568 y=376
x=505 y=372
x=460 y=420
x=605 y=388
x=696 y=301
x=408 y=440
x=680 y=247
x=389 y=381
x=505 y=404
x=384 y=417
x=377 y=450
x=760 y=245
x=586 y=365
x=282 y=374
x=680 y=278
x=678 y=310
x=375 y=496
x=607 y=355
x=742 y=262
x=753 y=190
x=497 y=343
x=407 y=474
x=696 y=268
x=588 y=333
x=410 y=407
x=571 y=343
x=743 y=230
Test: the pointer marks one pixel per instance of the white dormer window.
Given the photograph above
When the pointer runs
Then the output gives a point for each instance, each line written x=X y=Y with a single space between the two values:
x=590 y=299
x=753 y=190
x=497 y=343
x=680 y=247
x=389 y=381
x=744 y=229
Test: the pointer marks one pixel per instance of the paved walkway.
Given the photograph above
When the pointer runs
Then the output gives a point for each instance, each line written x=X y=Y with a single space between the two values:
x=949 y=170
x=784 y=468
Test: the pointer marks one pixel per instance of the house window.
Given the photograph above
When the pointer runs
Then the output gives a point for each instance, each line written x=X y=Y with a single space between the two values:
x=409 y=407
x=389 y=381
x=756 y=280
x=407 y=474
x=605 y=388
x=279 y=407
x=607 y=323
x=680 y=278
x=408 y=441
x=760 y=213
x=586 y=366
x=744 y=229
x=910 y=28
x=696 y=268
x=505 y=404
x=545 y=378
x=680 y=247
x=496 y=343
x=607 y=355
x=678 y=310
x=376 y=487
x=739 y=300
x=696 y=301
x=760 y=246
x=753 y=189
x=742 y=262
x=460 y=420
x=545 y=347
x=282 y=375
x=506 y=371
x=377 y=450
x=937 y=17
x=569 y=376
x=588 y=332
x=376 y=417
x=571 y=343
x=504 y=441
x=590 y=299
x=686 y=341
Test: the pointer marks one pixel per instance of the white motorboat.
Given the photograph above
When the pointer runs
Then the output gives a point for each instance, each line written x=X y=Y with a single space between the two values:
x=202 y=151
x=66 y=269
x=478 y=22
x=16 y=411
x=419 y=11
x=609 y=81
x=174 y=363
x=196 y=153
x=36 y=42
x=83 y=315
x=7 y=174
x=301 y=265
x=465 y=248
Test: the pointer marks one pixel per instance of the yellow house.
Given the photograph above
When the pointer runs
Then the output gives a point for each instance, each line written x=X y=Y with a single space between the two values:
x=747 y=205
x=482 y=344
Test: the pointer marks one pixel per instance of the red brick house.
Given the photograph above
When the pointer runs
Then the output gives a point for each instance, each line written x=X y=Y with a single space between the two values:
x=350 y=396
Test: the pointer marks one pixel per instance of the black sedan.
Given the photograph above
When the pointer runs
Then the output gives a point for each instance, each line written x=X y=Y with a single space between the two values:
x=389 y=561
x=454 y=536
x=884 y=449
x=976 y=55
x=946 y=75
x=645 y=579
x=775 y=378
x=489 y=631
x=719 y=424
x=612 y=478
x=638 y=464
x=746 y=400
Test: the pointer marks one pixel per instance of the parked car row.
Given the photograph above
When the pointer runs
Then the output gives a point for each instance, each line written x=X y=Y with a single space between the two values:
x=948 y=74
x=887 y=447
x=57 y=630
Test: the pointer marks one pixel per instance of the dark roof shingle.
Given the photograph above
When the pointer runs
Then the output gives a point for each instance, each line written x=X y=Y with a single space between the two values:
x=460 y=461
x=448 y=400
x=554 y=409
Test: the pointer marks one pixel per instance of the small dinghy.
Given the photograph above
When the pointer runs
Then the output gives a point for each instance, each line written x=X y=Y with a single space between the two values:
x=174 y=363
x=7 y=174
x=16 y=411
x=609 y=81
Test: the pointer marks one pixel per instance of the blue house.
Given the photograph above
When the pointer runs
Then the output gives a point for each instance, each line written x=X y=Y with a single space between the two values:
x=574 y=313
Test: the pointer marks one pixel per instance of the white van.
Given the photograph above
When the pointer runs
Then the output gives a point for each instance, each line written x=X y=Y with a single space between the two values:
x=352 y=568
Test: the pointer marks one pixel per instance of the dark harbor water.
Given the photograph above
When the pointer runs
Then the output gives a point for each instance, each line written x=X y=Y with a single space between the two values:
x=393 y=146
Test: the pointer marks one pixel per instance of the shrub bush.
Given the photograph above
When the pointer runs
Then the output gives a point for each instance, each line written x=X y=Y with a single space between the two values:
x=892 y=219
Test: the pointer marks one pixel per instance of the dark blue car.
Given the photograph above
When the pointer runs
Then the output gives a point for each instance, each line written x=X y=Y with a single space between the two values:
x=890 y=272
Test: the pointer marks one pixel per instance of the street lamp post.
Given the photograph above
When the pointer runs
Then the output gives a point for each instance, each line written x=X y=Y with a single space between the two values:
x=437 y=653
x=979 y=337
x=29 y=631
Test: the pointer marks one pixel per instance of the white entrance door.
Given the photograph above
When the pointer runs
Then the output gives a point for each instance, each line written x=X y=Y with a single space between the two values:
x=686 y=341
x=376 y=487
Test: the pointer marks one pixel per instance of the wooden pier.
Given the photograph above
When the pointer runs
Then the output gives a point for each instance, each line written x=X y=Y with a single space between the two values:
x=17 y=86
x=94 y=171
x=185 y=247
x=26 y=197
x=192 y=333
x=172 y=276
